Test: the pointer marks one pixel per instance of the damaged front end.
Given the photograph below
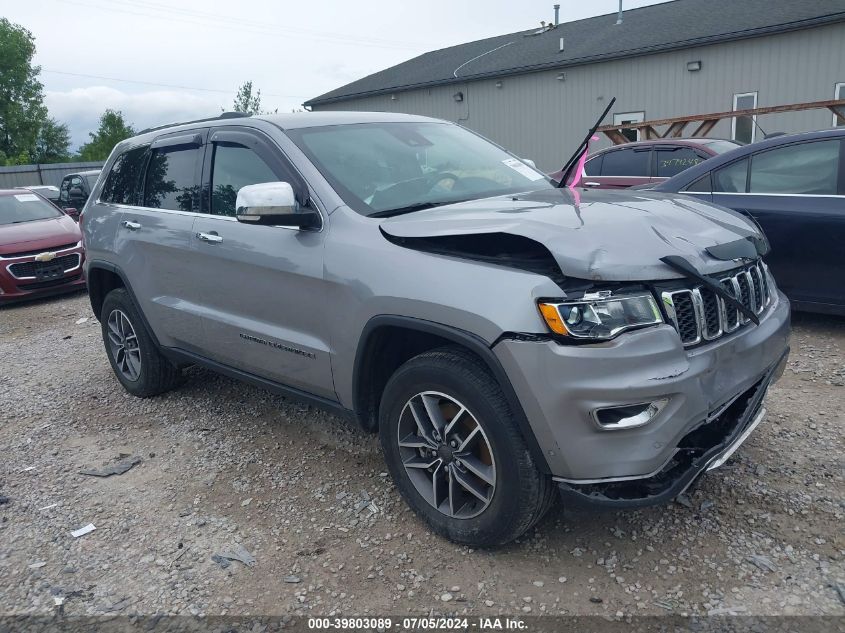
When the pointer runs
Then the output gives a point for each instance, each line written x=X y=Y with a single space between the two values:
x=704 y=448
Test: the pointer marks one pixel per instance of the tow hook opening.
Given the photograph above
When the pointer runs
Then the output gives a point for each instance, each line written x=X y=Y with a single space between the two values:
x=628 y=416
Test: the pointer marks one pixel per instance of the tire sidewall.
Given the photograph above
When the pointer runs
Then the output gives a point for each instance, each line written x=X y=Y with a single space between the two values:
x=119 y=300
x=498 y=519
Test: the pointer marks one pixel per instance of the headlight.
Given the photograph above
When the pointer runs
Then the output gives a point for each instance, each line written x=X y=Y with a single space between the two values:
x=601 y=315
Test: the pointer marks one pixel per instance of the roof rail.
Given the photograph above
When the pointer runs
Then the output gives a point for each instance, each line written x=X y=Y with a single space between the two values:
x=224 y=115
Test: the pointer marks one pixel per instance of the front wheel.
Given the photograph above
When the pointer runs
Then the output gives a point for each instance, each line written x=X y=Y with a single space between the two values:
x=455 y=452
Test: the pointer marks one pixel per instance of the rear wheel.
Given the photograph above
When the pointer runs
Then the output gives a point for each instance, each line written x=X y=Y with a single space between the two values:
x=455 y=452
x=136 y=361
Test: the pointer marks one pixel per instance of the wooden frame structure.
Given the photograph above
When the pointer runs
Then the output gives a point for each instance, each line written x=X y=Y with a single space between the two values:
x=706 y=122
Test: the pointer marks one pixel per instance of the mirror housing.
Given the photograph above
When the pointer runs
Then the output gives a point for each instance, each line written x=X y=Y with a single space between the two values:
x=72 y=212
x=273 y=204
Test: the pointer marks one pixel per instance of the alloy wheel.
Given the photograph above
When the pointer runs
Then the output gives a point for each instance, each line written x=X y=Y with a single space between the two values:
x=446 y=455
x=123 y=345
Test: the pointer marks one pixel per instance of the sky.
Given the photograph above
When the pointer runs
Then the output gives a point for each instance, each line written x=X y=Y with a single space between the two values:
x=162 y=61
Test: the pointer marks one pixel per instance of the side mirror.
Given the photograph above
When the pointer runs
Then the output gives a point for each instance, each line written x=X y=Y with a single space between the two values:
x=272 y=203
x=72 y=212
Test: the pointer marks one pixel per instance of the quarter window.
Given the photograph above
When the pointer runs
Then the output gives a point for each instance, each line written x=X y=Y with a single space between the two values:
x=123 y=183
x=171 y=181
x=626 y=162
x=235 y=166
x=731 y=179
x=702 y=185
x=593 y=166
x=671 y=161
x=807 y=168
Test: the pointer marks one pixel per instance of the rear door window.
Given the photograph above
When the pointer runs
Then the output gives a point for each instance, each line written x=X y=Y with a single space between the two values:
x=172 y=180
x=674 y=160
x=731 y=178
x=626 y=162
x=806 y=168
x=123 y=184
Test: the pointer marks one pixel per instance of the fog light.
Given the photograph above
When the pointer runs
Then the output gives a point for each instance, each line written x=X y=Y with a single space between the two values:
x=628 y=416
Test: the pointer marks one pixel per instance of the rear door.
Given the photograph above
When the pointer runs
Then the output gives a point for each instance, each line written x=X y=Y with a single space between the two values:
x=154 y=236
x=795 y=192
x=622 y=168
x=260 y=288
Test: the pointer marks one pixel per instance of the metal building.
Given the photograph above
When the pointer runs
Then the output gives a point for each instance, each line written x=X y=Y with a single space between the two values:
x=538 y=91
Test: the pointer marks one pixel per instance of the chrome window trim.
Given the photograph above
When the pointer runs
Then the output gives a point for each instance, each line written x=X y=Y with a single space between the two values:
x=46 y=250
x=66 y=270
x=783 y=195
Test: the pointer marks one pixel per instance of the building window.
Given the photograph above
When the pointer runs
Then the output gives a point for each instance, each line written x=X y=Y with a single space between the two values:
x=625 y=118
x=742 y=127
x=839 y=93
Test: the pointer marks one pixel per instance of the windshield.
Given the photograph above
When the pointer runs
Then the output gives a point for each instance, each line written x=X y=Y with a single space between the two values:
x=720 y=147
x=25 y=207
x=390 y=168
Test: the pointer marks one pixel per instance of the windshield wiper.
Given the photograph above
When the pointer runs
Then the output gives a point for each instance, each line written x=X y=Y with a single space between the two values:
x=417 y=206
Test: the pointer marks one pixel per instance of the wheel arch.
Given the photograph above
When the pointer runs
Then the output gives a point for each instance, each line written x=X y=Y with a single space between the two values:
x=387 y=341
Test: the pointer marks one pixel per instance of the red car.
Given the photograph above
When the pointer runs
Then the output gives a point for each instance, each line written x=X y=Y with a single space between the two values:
x=40 y=248
x=644 y=162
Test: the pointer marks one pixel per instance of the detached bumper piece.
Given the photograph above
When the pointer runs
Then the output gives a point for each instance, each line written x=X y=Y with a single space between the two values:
x=706 y=447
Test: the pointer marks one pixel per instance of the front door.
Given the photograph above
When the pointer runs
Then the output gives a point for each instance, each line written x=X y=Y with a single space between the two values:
x=261 y=288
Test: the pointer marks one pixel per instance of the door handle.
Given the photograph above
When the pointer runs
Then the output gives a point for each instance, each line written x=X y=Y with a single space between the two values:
x=591 y=183
x=132 y=226
x=211 y=238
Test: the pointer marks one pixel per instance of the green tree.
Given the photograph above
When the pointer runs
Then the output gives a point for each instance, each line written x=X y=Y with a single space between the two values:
x=53 y=143
x=246 y=101
x=112 y=130
x=22 y=110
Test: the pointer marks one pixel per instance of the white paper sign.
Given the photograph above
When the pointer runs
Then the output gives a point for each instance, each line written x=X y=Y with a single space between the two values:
x=522 y=168
x=27 y=197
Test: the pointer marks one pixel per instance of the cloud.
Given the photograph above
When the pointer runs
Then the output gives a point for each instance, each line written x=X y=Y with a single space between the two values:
x=81 y=108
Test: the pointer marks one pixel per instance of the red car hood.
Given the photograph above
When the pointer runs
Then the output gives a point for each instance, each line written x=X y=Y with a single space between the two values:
x=46 y=234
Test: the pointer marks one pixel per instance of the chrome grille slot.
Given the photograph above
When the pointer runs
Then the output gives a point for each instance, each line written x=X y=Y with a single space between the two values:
x=698 y=314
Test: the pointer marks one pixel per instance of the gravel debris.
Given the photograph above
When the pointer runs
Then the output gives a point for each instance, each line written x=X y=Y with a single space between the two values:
x=331 y=534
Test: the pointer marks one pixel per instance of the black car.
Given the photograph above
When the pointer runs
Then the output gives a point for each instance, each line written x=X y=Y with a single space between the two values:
x=794 y=187
x=75 y=189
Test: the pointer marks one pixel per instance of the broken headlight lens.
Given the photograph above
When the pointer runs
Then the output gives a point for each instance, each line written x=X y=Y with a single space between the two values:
x=601 y=315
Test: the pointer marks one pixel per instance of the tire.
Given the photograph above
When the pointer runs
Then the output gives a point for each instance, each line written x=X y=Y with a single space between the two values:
x=141 y=368
x=451 y=379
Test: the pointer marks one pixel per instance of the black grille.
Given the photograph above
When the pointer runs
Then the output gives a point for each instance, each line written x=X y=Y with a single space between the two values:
x=744 y=291
x=685 y=314
x=32 y=269
x=40 y=285
x=758 y=288
x=61 y=247
x=712 y=325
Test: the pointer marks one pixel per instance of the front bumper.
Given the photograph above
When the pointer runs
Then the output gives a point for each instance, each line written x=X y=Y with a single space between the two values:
x=559 y=386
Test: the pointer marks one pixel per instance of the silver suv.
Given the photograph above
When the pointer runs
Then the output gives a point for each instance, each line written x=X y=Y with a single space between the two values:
x=507 y=338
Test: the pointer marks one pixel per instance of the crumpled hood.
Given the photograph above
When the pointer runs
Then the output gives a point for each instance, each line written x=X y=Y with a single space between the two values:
x=607 y=235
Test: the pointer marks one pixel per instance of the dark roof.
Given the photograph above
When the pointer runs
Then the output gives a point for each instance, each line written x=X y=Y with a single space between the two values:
x=656 y=28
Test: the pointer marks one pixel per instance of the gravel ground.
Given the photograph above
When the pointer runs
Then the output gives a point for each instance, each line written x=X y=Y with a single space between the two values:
x=224 y=464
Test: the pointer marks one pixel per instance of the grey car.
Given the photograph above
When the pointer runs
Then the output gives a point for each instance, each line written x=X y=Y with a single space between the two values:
x=509 y=340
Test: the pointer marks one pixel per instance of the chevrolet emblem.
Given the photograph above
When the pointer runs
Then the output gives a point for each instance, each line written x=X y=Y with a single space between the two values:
x=45 y=257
